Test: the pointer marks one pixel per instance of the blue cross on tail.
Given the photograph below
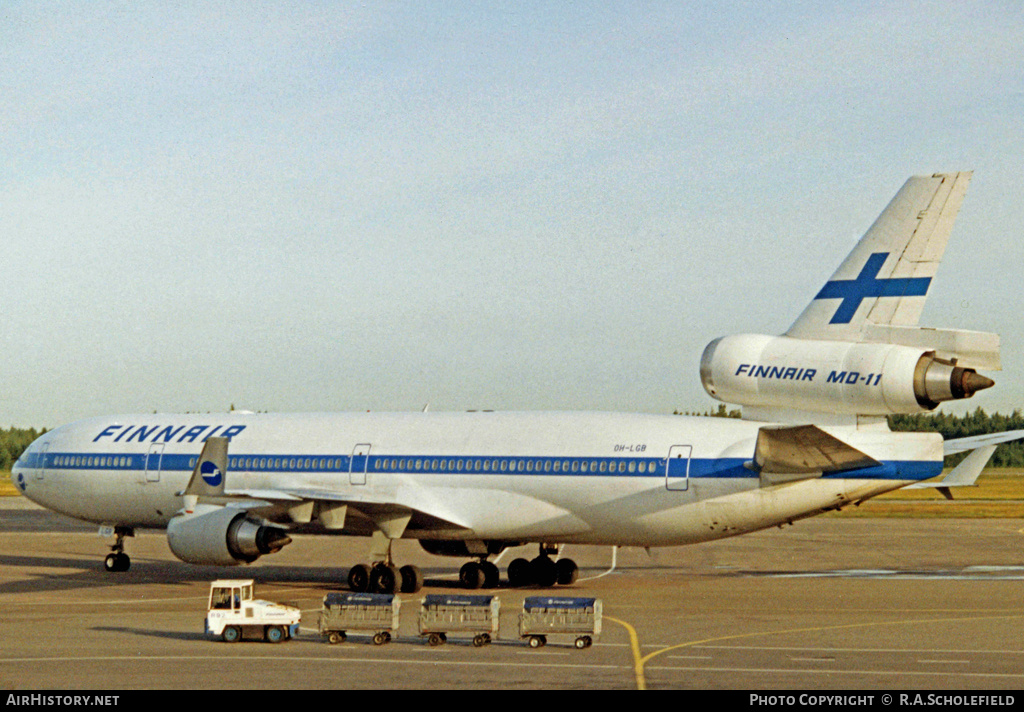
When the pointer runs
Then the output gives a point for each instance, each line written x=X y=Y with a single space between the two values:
x=854 y=291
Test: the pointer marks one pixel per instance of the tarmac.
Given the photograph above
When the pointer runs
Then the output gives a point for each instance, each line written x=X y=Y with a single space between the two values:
x=827 y=604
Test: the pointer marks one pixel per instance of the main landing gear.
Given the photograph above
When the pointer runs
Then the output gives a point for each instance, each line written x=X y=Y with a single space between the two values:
x=385 y=577
x=117 y=560
x=540 y=571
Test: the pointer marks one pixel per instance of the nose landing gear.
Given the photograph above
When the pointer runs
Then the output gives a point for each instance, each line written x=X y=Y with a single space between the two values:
x=117 y=560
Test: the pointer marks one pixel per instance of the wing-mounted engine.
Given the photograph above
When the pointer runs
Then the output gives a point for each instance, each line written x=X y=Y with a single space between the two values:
x=833 y=376
x=222 y=536
x=207 y=531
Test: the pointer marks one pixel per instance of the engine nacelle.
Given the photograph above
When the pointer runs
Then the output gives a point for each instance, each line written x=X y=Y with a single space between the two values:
x=221 y=536
x=832 y=376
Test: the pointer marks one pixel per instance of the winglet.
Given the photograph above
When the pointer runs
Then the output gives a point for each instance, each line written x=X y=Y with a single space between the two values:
x=963 y=475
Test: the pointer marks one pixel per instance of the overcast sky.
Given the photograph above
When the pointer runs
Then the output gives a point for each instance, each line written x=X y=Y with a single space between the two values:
x=353 y=206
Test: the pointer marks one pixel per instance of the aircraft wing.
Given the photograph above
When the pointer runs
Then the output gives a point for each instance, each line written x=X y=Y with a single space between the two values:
x=328 y=509
x=966 y=473
x=963 y=475
x=334 y=511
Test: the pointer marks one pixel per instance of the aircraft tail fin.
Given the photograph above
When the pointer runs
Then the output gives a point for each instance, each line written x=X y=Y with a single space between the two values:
x=885 y=279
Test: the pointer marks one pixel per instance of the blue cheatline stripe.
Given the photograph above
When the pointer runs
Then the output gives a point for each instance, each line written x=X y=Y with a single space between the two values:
x=853 y=291
x=476 y=465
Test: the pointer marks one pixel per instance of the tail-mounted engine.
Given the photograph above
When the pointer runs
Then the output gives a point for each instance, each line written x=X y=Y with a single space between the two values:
x=832 y=376
x=223 y=536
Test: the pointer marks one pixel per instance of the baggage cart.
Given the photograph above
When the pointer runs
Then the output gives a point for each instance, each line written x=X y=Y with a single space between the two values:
x=475 y=616
x=375 y=614
x=578 y=619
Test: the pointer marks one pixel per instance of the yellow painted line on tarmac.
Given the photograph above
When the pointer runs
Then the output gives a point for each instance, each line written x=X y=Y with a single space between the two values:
x=640 y=660
x=634 y=644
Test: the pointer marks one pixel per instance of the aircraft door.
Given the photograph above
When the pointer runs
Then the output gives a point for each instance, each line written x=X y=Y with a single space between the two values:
x=358 y=464
x=151 y=470
x=44 y=450
x=677 y=468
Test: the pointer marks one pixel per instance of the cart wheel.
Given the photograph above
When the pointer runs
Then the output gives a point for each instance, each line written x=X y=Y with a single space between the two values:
x=537 y=641
x=275 y=634
x=335 y=637
x=435 y=639
x=583 y=641
x=378 y=639
x=387 y=636
x=231 y=634
x=479 y=641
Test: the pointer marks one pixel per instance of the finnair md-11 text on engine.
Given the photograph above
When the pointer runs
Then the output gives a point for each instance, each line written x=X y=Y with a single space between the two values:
x=231 y=488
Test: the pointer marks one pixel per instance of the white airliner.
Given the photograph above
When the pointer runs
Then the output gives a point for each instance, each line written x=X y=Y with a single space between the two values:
x=230 y=488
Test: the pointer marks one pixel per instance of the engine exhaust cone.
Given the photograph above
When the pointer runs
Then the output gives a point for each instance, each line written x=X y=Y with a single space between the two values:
x=972 y=382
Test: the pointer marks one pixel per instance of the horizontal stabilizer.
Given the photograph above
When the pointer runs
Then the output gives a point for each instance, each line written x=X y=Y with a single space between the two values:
x=787 y=452
x=951 y=447
x=970 y=349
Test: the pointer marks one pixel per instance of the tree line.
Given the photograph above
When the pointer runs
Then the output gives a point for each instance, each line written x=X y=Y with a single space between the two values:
x=977 y=422
x=13 y=442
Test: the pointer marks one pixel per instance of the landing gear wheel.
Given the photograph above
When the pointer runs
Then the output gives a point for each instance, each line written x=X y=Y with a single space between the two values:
x=231 y=634
x=545 y=572
x=385 y=578
x=412 y=578
x=519 y=573
x=566 y=572
x=117 y=562
x=359 y=578
x=471 y=575
x=492 y=576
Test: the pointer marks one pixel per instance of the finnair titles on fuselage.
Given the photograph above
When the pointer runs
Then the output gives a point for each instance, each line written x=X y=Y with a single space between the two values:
x=813 y=438
x=166 y=434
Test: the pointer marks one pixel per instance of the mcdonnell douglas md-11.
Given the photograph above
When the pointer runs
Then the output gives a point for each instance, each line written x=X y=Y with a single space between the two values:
x=813 y=438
